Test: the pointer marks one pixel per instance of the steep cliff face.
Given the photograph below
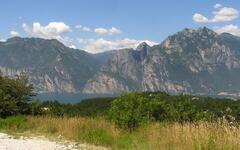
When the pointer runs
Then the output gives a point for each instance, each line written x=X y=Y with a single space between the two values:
x=122 y=73
x=50 y=66
x=191 y=61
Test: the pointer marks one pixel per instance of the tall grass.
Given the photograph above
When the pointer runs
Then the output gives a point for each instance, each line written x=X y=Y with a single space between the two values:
x=14 y=124
x=198 y=136
x=156 y=136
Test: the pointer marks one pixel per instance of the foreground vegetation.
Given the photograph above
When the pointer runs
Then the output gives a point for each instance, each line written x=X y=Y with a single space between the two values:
x=130 y=111
x=155 y=135
x=149 y=120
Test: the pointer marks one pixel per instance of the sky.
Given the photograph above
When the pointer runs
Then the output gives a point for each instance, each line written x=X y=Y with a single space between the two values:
x=100 y=25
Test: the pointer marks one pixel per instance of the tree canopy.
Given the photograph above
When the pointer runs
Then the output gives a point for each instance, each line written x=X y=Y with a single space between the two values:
x=15 y=95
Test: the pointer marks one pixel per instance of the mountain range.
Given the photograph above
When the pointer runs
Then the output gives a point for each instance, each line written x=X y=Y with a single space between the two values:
x=195 y=61
x=50 y=66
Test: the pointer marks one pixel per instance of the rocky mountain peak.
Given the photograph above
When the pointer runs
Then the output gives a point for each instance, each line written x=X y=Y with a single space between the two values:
x=14 y=39
x=202 y=31
x=143 y=50
x=33 y=45
x=33 y=40
x=56 y=43
x=192 y=61
x=49 y=65
x=198 y=38
x=142 y=46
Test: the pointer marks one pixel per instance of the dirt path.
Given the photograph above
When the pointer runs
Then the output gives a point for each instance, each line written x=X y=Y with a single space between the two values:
x=10 y=143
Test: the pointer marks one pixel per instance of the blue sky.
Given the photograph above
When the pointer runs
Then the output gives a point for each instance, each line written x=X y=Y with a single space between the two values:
x=99 y=25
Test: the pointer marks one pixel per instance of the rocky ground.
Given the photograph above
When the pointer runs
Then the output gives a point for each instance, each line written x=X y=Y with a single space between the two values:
x=8 y=142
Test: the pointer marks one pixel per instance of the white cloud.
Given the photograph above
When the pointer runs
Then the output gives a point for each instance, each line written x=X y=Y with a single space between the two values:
x=232 y=29
x=200 y=18
x=220 y=14
x=53 y=30
x=80 y=27
x=104 y=31
x=114 y=30
x=86 y=29
x=101 y=31
x=216 y=6
x=2 y=40
x=225 y=14
x=14 y=33
x=73 y=46
x=100 y=45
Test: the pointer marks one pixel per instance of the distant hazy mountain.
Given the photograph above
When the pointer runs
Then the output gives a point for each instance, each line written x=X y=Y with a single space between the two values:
x=192 y=61
x=104 y=56
x=50 y=66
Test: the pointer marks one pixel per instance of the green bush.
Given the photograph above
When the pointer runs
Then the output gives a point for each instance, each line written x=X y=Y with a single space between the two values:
x=14 y=123
x=97 y=136
x=130 y=111
x=183 y=110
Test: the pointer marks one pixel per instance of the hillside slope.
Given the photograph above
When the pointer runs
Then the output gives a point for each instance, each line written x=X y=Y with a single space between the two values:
x=50 y=66
x=191 y=61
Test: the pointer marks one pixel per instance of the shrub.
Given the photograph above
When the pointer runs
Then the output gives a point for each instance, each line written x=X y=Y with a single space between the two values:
x=14 y=123
x=181 y=108
x=15 y=95
x=98 y=136
x=130 y=111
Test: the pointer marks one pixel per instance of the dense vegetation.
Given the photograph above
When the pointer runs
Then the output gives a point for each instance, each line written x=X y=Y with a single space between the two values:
x=86 y=108
x=149 y=120
x=128 y=111
x=163 y=107
x=15 y=95
x=131 y=110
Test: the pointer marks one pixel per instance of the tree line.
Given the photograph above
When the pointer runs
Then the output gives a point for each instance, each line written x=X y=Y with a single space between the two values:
x=127 y=111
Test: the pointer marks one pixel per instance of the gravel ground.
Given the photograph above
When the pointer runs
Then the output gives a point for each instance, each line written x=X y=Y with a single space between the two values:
x=25 y=143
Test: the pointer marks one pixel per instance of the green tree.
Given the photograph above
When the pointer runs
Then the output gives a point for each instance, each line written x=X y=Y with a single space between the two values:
x=36 y=108
x=186 y=111
x=8 y=106
x=15 y=95
x=129 y=111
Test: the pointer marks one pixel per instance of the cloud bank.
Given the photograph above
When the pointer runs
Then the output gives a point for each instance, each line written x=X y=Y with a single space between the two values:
x=54 y=30
x=232 y=29
x=58 y=30
x=101 y=44
x=220 y=14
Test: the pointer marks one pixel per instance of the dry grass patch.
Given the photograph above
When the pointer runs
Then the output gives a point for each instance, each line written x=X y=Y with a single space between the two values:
x=93 y=130
x=198 y=136
x=156 y=136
